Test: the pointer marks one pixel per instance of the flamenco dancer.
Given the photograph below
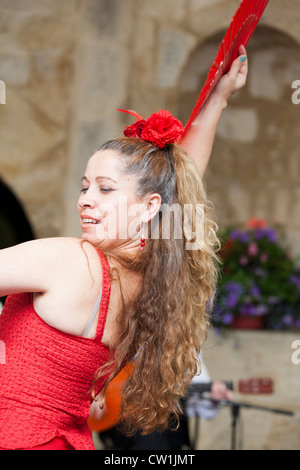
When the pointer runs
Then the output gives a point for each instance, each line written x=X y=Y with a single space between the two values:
x=79 y=309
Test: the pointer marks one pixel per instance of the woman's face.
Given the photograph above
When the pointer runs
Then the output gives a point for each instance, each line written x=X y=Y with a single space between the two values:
x=109 y=210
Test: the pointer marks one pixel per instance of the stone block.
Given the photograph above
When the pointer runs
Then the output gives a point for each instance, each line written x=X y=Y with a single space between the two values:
x=144 y=55
x=37 y=32
x=107 y=19
x=173 y=50
x=50 y=90
x=196 y=69
x=15 y=66
x=61 y=8
x=171 y=10
x=24 y=134
x=195 y=5
x=101 y=78
x=238 y=124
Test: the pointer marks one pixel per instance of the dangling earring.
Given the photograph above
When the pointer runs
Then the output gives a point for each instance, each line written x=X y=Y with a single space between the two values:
x=142 y=247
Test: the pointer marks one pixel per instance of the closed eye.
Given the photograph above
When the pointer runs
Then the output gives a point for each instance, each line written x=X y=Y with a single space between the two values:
x=106 y=190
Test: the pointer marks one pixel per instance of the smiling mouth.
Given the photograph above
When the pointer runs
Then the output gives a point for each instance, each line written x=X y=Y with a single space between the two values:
x=90 y=221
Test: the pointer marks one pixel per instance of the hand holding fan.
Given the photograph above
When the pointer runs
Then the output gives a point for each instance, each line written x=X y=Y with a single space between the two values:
x=239 y=32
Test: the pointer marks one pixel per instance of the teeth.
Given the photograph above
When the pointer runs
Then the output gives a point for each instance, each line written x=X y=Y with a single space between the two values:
x=89 y=221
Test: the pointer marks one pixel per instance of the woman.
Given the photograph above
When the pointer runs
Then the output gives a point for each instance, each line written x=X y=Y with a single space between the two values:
x=149 y=296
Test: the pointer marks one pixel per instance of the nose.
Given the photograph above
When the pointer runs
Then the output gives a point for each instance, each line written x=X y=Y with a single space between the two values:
x=86 y=200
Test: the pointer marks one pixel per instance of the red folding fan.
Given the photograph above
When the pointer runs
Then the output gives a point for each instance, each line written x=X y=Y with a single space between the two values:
x=239 y=32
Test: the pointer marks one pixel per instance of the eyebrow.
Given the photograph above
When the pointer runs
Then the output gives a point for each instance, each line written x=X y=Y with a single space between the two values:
x=99 y=178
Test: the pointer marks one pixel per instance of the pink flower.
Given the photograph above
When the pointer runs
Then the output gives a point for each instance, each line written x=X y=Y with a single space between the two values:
x=243 y=260
x=264 y=257
x=253 y=249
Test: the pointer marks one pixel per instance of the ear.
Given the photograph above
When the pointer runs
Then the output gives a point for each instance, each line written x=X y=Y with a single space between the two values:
x=152 y=206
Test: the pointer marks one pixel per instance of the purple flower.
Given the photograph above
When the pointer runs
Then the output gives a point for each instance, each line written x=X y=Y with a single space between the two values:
x=294 y=279
x=232 y=300
x=234 y=234
x=288 y=319
x=248 y=309
x=259 y=233
x=261 y=310
x=234 y=287
x=266 y=232
x=260 y=272
x=228 y=318
x=273 y=300
x=271 y=234
x=255 y=291
x=243 y=237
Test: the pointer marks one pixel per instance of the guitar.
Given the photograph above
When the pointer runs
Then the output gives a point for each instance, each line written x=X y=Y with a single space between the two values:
x=252 y=386
x=113 y=396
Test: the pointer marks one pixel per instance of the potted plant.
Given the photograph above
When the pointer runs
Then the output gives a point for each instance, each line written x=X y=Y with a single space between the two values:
x=259 y=284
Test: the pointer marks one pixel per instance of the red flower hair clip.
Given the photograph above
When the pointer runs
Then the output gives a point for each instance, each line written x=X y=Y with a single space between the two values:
x=160 y=128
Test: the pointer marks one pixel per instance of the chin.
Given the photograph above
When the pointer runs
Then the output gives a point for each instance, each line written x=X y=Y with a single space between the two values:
x=89 y=237
x=98 y=242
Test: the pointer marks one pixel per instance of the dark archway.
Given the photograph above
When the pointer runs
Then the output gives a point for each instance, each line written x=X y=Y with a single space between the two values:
x=14 y=225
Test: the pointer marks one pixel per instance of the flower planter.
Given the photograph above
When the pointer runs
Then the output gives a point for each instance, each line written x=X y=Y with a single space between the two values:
x=248 y=322
x=260 y=282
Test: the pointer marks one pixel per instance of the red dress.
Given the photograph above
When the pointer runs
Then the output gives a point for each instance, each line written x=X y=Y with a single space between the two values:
x=47 y=376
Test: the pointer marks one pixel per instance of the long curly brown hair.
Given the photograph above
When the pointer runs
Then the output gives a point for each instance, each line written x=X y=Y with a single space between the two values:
x=166 y=324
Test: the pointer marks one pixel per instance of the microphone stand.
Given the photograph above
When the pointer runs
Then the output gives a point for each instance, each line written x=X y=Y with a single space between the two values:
x=235 y=411
x=201 y=388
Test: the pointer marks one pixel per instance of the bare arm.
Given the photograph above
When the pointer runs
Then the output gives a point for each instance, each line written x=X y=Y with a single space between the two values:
x=32 y=266
x=198 y=141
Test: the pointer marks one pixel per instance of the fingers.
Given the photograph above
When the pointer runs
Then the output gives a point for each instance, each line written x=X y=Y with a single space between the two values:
x=229 y=395
x=219 y=391
x=242 y=50
x=240 y=65
x=236 y=78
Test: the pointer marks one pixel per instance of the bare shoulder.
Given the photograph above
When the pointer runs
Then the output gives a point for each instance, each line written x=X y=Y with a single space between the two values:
x=37 y=265
x=57 y=249
x=73 y=255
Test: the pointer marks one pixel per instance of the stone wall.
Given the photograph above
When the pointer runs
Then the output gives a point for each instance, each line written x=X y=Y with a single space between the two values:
x=37 y=41
x=68 y=65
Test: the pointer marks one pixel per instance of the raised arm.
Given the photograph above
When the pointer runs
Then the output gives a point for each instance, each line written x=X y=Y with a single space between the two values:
x=198 y=141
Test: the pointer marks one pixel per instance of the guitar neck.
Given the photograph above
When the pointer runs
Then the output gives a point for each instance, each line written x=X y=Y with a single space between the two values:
x=253 y=386
x=206 y=386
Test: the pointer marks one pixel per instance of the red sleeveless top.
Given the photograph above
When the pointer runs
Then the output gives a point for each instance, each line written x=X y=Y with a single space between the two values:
x=46 y=375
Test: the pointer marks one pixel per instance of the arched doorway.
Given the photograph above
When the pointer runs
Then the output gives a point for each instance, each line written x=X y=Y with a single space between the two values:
x=14 y=225
x=255 y=166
